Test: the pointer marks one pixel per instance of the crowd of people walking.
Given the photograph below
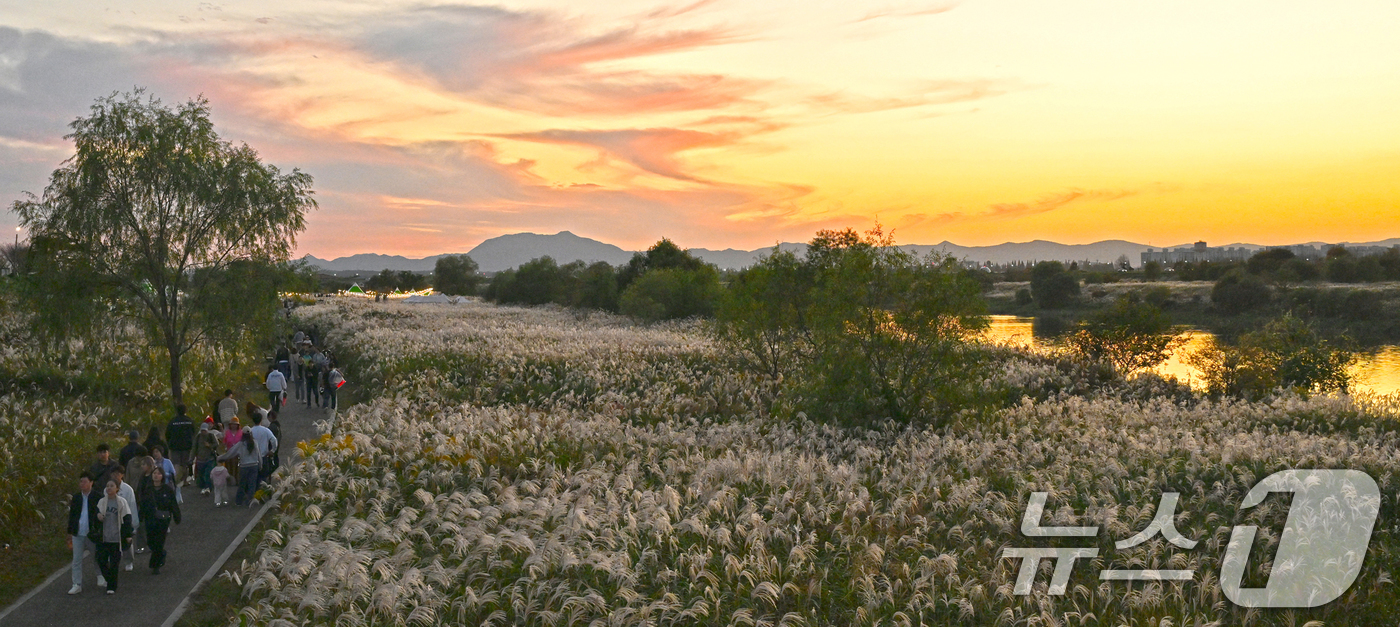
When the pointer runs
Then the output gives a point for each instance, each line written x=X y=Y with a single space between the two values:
x=126 y=506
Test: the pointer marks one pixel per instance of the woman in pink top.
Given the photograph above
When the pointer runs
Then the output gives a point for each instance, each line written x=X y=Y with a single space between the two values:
x=233 y=434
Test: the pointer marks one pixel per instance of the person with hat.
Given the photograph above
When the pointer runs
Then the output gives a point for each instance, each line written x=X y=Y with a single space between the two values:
x=132 y=449
x=207 y=447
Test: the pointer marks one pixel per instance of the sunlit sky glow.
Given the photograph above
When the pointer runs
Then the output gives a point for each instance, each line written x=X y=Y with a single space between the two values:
x=430 y=127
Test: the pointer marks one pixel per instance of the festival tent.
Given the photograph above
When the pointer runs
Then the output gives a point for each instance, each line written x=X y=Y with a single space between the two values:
x=434 y=298
x=355 y=289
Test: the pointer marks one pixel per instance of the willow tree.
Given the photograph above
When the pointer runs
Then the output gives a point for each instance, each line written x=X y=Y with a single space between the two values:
x=156 y=218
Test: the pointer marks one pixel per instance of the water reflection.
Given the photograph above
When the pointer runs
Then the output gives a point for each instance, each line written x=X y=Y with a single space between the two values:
x=1375 y=371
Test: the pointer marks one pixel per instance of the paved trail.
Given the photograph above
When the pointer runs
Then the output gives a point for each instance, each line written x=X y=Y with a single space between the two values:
x=143 y=599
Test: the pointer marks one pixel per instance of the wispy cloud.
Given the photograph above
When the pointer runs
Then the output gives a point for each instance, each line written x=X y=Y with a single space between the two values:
x=1044 y=204
x=545 y=63
x=939 y=92
x=652 y=150
x=905 y=11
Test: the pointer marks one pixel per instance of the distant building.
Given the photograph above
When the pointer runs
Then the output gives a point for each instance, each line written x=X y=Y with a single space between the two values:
x=1197 y=253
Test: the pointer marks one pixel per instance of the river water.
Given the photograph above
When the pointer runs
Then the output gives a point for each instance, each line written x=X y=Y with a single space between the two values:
x=1376 y=370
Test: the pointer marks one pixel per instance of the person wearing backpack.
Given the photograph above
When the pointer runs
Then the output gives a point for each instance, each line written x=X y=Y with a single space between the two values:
x=334 y=379
x=313 y=380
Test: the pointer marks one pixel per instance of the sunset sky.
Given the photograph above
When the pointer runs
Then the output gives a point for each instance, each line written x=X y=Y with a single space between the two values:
x=718 y=123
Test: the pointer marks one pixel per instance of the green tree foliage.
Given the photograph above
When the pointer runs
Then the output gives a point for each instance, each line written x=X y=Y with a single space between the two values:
x=662 y=255
x=159 y=220
x=1268 y=262
x=542 y=280
x=1239 y=292
x=1152 y=270
x=596 y=287
x=1024 y=297
x=302 y=277
x=537 y=282
x=1052 y=286
x=1286 y=354
x=410 y=281
x=683 y=284
x=385 y=281
x=671 y=293
x=764 y=312
x=1390 y=264
x=1343 y=267
x=1132 y=335
x=860 y=330
x=1298 y=271
x=456 y=274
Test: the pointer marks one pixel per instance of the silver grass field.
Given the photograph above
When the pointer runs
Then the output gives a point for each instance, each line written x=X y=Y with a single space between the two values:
x=542 y=467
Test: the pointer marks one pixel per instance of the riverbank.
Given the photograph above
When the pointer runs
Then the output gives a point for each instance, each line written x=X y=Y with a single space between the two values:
x=1362 y=315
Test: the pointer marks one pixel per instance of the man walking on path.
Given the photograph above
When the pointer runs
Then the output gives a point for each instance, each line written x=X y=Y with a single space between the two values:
x=82 y=517
x=267 y=443
x=228 y=408
x=333 y=382
x=132 y=449
x=298 y=369
x=102 y=468
x=313 y=376
x=276 y=385
x=179 y=435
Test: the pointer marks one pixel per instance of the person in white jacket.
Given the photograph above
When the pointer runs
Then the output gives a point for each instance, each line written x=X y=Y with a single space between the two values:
x=276 y=387
x=267 y=445
x=113 y=532
x=127 y=494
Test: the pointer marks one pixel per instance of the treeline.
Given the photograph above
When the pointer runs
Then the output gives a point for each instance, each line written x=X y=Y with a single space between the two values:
x=1282 y=266
x=663 y=283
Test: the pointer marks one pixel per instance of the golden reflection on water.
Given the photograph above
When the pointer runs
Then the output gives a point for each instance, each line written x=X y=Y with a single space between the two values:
x=1375 y=371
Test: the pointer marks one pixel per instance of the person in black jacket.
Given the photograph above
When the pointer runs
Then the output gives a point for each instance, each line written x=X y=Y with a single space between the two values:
x=102 y=468
x=132 y=449
x=153 y=440
x=179 y=434
x=158 y=508
x=82 y=519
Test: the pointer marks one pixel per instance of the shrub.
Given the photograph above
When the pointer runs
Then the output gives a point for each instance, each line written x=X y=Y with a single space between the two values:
x=1237 y=292
x=860 y=330
x=1298 y=271
x=1268 y=262
x=1052 y=286
x=671 y=293
x=1131 y=335
x=596 y=287
x=1286 y=353
x=1159 y=297
x=1023 y=297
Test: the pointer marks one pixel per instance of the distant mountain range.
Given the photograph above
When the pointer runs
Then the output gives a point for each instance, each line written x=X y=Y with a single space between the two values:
x=509 y=251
